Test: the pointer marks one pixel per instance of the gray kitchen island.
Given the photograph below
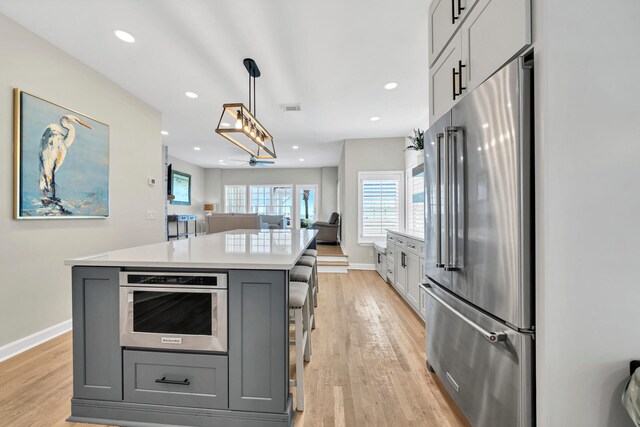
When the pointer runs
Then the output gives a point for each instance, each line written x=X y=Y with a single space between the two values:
x=191 y=332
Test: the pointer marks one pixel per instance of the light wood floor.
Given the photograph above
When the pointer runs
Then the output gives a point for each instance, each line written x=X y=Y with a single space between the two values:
x=367 y=367
x=329 y=250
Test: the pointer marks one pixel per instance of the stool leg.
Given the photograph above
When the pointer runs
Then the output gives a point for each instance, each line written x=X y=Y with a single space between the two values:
x=315 y=284
x=306 y=321
x=299 y=361
x=312 y=310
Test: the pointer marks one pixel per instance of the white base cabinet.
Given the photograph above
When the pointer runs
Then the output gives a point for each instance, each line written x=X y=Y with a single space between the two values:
x=405 y=255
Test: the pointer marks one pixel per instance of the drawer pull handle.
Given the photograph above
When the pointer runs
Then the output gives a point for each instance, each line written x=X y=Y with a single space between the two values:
x=164 y=380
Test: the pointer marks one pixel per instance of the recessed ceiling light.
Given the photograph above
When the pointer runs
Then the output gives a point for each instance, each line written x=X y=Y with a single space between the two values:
x=225 y=124
x=302 y=160
x=191 y=94
x=375 y=118
x=295 y=147
x=164 y=132
x=196 y=148
x=391 y=85
x=124 y=36
x=485 y=125
x=220 y=161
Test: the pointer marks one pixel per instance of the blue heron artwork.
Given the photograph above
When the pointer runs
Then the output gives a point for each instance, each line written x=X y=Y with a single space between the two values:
x=62 y=161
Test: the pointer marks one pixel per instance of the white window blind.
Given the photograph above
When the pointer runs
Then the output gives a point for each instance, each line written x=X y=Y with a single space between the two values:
x=381 y=204
x=235 y=198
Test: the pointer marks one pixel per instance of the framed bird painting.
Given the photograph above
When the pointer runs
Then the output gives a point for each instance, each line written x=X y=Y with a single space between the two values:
x=61 y=161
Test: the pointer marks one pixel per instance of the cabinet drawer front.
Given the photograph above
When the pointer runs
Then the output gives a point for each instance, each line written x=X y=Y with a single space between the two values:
x=178 y=379
x=414 y=246
x=390 y=272
x=391 y=249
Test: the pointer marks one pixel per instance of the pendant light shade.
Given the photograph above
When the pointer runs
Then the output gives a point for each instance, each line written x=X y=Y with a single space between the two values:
x=248 y=133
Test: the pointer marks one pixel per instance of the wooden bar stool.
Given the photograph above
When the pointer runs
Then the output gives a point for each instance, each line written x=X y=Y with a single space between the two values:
x=304 y=273
x=299 y=305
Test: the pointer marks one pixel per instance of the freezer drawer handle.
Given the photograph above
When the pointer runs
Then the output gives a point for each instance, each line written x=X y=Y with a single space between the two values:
x=492 y=337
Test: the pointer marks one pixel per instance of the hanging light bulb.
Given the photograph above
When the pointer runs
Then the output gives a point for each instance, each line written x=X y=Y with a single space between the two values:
x=253 y=130
x=246 y=126
x=239 y=120
x=260 y=137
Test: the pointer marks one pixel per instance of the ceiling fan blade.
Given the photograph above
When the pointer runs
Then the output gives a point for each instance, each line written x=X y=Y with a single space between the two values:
x=266 y=162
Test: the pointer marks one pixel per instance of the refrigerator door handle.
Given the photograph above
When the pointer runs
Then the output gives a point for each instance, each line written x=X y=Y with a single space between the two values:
x=492 y=337
x=448 y=266
x=447 y=224
x=439 y=263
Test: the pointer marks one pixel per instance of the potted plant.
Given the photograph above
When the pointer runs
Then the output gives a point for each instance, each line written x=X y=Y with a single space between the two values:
x=417 y=143
x=417 y=140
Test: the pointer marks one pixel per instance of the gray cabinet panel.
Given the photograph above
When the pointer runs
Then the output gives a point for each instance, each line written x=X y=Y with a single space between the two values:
x=258 y=340
x=186 y=379
x=97 y=357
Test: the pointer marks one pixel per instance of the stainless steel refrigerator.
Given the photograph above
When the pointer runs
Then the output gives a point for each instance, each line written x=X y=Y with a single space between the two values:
x=479 y=250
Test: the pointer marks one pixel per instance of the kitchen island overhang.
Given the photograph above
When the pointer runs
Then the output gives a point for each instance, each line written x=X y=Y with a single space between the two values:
x=247 y=385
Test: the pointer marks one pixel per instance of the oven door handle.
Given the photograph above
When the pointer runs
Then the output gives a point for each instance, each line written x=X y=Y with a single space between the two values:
x=164 y=380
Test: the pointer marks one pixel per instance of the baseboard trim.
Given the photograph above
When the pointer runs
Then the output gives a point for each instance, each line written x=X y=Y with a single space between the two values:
x=359 y=266
x=23 y=344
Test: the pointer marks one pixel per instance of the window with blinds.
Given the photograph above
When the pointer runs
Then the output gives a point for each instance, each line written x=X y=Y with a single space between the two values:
x=381 y=204
x=235 y=198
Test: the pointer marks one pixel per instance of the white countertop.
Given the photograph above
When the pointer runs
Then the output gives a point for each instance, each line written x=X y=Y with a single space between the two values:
x=411 y=236
x=237 y=249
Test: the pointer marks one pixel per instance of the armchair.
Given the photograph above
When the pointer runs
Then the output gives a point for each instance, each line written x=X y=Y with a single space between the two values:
x=328 y=231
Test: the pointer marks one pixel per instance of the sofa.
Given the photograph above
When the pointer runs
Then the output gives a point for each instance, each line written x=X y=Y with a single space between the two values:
x=218 y=223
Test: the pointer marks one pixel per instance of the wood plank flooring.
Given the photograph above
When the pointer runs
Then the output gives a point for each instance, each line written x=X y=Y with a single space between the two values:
x=367 y=367
x=329 y=250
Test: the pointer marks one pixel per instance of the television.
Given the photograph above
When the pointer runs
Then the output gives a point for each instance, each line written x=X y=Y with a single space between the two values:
x=180 y=188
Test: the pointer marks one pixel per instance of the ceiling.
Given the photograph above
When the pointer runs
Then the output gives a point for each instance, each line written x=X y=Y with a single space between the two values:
x=332 y=56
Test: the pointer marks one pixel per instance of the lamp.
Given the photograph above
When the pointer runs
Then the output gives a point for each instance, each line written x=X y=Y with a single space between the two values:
x=247 y=130
x=209 y=208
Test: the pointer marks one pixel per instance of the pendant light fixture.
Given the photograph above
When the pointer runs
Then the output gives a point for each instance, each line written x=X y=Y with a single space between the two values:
x=247 y=130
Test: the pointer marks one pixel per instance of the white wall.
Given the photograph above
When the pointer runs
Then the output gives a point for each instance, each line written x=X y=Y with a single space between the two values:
x=588 y=206
x=383 y=154
x=35 y=289
x=198 y=194
x=329 y=192
x=214 y=192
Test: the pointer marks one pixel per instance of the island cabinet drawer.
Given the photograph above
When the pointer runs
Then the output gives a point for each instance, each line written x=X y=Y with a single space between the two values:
x=176 y=379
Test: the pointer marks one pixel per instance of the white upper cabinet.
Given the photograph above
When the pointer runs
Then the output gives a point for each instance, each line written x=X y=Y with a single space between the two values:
x=445 y=16
x=444 y=84
x=495 y=32
x=486 y=35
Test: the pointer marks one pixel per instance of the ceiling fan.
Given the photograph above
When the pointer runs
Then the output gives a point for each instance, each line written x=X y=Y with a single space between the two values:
x=254 y=162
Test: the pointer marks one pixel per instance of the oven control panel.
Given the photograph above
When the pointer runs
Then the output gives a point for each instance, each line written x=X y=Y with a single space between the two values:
x=218 y=280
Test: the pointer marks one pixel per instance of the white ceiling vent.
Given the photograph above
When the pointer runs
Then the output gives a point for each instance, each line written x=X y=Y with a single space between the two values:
x=290 y=107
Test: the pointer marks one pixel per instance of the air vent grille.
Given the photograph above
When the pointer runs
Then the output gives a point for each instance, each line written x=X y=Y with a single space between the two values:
x=290 y=107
